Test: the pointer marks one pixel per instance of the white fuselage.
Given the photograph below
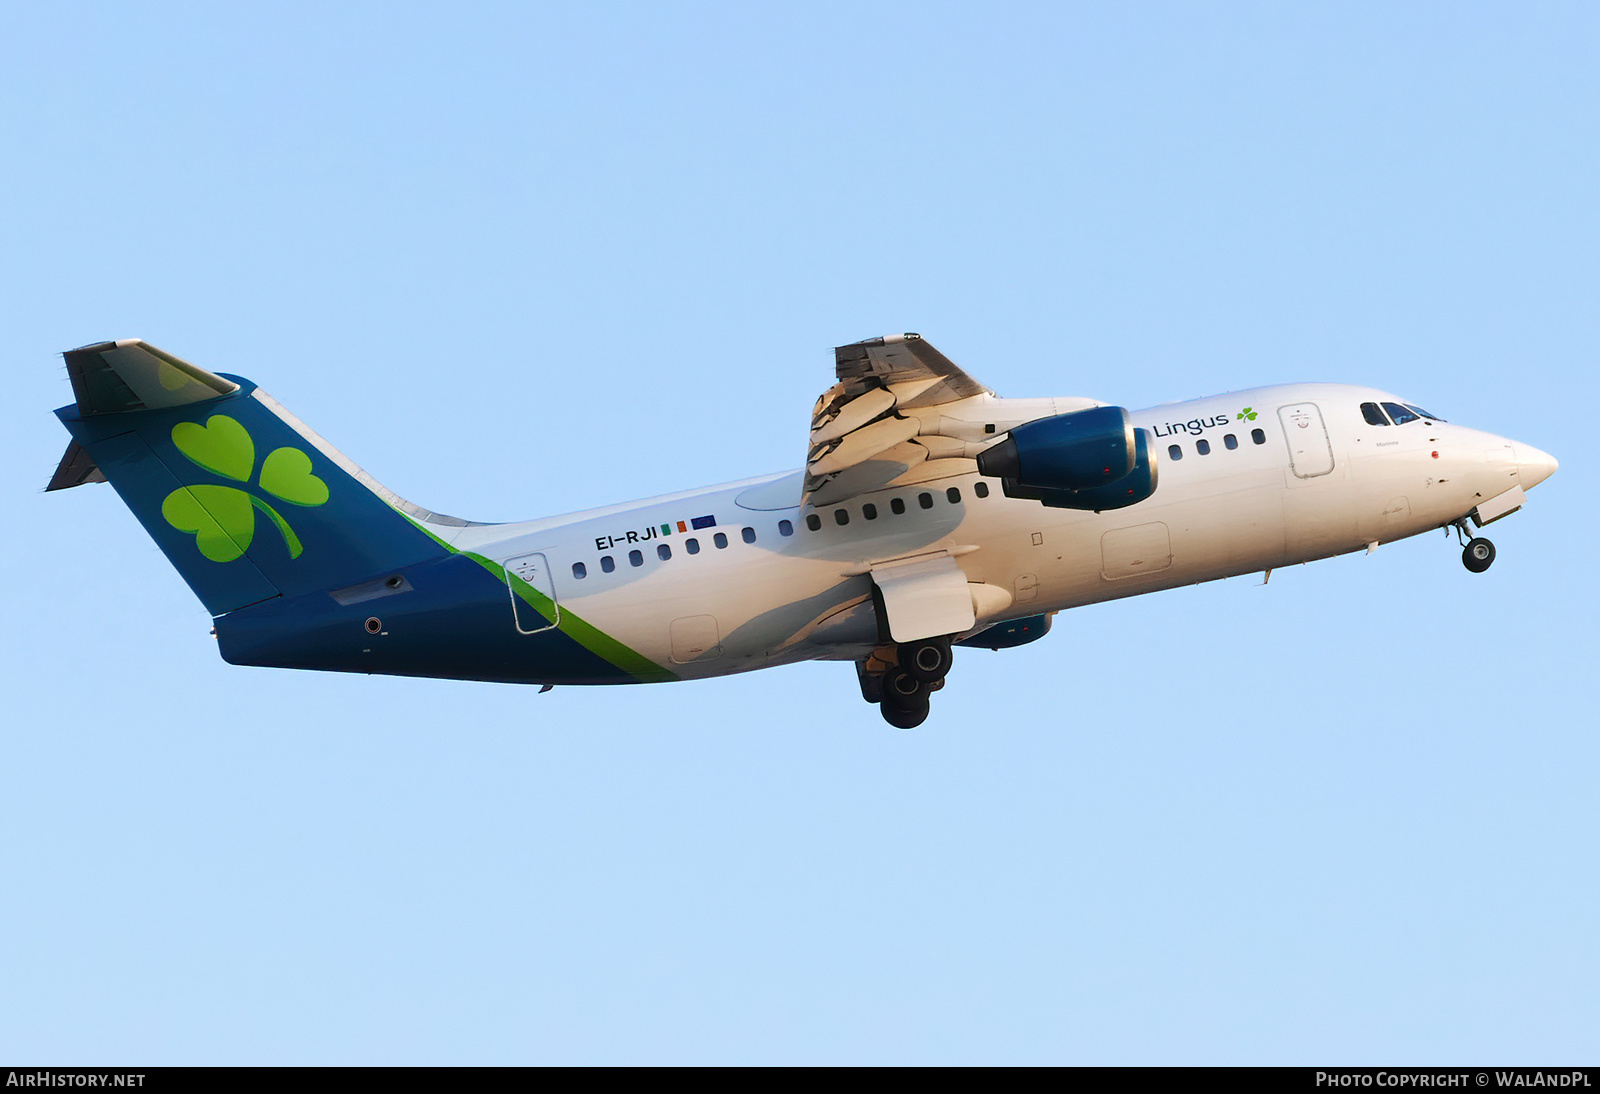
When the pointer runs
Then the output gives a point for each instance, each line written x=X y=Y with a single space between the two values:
x=1305 y=478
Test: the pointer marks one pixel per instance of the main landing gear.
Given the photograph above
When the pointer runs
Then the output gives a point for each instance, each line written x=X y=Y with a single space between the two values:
x=903 y=688
x=1477 y=553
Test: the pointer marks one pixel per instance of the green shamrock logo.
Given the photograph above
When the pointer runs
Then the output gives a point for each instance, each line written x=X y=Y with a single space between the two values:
x=1246 y=415
x=222 y=518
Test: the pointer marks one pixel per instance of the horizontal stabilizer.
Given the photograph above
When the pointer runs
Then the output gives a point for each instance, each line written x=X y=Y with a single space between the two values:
x=76 y=468
x=245 y=500
x=116 y=377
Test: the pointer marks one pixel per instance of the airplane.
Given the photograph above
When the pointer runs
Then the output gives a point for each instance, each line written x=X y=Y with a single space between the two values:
x=931 y=514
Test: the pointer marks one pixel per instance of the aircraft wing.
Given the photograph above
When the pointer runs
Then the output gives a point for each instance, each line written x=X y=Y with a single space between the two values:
x=921 y=374
x=881 y=425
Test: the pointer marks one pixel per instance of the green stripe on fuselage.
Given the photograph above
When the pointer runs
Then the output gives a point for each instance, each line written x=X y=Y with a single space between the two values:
x=590 y=637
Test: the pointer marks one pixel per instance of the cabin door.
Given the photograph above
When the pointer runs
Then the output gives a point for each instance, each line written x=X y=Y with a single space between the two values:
x=1310 y=453
x=533 y=593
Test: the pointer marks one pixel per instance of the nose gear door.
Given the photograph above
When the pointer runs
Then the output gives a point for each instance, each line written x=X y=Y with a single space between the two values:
x=533 y=593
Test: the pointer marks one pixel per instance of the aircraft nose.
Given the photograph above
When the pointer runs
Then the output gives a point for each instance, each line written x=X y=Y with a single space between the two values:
x=1533 y=466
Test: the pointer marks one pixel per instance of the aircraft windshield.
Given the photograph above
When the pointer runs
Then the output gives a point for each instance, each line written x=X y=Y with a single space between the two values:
x=1399 y=414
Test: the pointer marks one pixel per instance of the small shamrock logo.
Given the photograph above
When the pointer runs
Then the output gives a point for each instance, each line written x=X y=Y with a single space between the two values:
x=222 y=518
x=1248 y=414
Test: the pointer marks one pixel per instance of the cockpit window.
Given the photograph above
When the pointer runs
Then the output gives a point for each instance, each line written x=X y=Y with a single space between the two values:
x=1400 y=414
x=1373 y=415
x=1424 y=413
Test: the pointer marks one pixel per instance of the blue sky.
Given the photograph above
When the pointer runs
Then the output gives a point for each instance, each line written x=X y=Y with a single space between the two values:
x=519 y=260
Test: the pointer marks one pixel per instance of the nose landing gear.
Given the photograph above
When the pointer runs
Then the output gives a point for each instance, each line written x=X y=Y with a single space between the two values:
x=1477 y=553
x=903 y=688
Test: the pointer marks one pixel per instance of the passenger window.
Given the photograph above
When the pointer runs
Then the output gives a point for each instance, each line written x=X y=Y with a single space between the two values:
x=840 y=517
x=1174 y=452
x=692 y=545
x=897 y=506
x=954 y=495
x=869 y=511
x=663 y=551
x=720 y=540
x=635 y=558
x=607 y=563
x=1203 y=447
x=748 y=535
x=1399 y=413
x=1373 y=415
x=579 y=570
x=981 y=489
x=785 y=528
x=1258 y=436
x=925 y=500
x=813 y=522
x=1230 y=442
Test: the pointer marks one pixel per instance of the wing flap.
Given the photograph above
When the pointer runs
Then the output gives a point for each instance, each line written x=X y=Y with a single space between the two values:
x=876 y=473
x=878 y=426
x=852 y=415
x=863 y=444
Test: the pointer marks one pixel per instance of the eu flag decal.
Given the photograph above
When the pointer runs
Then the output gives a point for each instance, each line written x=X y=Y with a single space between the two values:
x=703 y=522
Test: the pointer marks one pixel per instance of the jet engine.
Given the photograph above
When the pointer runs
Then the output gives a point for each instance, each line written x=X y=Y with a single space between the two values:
x=1089 y=459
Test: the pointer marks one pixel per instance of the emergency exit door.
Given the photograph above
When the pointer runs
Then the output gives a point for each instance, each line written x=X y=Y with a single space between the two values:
x=533 y=593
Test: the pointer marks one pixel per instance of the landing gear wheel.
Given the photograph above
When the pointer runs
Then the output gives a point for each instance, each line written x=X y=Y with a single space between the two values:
x=902 y=718
x=927 y=660
x=1478 y=555
x=905 y=699
x=904 y=691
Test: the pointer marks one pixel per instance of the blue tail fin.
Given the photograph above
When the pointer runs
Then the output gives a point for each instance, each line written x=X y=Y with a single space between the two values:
x=242 y=498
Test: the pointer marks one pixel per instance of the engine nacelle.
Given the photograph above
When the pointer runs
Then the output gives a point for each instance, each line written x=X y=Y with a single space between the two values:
x=1098 y=448
x=1131 y=489
x=1077 y=451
